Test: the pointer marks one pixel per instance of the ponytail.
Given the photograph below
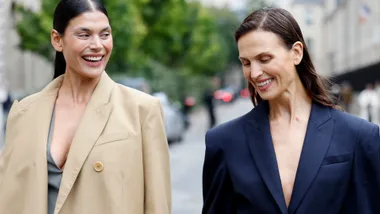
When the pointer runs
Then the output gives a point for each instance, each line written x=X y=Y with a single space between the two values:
x=59 y=64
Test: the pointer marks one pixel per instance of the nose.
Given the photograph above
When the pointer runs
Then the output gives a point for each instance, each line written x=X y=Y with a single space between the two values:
x=96 y=43
x=256 y=71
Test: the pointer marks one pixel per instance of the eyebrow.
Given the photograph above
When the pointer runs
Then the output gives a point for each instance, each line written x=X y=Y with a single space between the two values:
x=88 y=30
x=258 y=55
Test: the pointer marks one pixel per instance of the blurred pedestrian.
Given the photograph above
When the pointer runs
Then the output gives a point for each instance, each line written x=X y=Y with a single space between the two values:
x=295 y=152
x=208 y=99
x=85 y=144
x=369 y=104
x=346 y=94
x=3 y=99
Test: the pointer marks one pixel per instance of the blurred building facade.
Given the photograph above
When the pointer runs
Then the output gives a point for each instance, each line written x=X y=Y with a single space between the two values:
x=25 y=72
x=352 y=40
x=352 y=34
x=309 y=15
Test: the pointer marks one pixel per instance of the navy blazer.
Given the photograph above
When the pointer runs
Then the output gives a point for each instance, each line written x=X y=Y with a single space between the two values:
x=338 y=172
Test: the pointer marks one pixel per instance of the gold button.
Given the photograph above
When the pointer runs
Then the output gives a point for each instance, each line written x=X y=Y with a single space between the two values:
x=98 y=166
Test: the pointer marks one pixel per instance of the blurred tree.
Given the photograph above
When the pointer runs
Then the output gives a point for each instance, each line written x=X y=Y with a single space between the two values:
x=171 y=32
x=187 y=40
x=228 y=22
x=129 y=31
x=183 y=36
x=34 y=30
x=206 y=52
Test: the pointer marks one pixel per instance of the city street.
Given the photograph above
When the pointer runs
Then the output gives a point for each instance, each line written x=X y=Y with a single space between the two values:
x=187 y=157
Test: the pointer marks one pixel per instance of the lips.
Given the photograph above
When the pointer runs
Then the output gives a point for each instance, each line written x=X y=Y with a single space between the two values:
x=264 y=83
x=93 y=58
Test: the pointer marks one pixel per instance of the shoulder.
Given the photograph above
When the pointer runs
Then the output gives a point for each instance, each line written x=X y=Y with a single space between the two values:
x=134 y=95
x=29 y=100
x=225 y=131
x=130 y=98
x=349 y=121
x=350 y=124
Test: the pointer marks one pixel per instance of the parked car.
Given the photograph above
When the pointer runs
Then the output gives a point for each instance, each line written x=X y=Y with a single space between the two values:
x=137 y=83
x=227 y=95
x=174 y=119
x=244 y=93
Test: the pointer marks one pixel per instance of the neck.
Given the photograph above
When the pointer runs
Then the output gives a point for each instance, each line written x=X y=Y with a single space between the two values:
x=77 y=89
x=293 y=105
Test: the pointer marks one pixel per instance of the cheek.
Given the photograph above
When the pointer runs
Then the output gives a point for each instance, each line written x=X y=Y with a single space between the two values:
x=247 y=73
x=109 y=45
x=74 y=50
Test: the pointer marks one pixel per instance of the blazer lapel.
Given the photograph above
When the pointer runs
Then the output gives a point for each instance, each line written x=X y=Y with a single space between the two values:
x=262 y=150
x=316 y=144
x=92 y=124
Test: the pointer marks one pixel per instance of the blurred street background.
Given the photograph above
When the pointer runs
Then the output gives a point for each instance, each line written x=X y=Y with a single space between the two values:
x=184 y=53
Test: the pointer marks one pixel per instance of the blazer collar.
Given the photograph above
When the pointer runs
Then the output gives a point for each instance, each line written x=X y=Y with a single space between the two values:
x=258 y=116
x=317 y=140
x=90 y=128
x=99 y=97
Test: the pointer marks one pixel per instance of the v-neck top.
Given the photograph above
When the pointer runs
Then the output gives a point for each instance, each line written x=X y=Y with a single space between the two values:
x=54 y=172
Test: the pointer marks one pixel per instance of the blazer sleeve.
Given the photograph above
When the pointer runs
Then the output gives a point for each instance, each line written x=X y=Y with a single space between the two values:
x=367 y=169
x=217 y=186
x=10 y=131
x=156 y=162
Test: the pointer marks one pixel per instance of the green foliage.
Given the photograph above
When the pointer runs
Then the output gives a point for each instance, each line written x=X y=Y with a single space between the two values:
x=157 y=39
x=34 y=30
x=128 y=31
x=227 y=23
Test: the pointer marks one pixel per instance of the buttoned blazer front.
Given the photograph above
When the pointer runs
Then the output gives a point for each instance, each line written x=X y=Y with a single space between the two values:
x=118 y=161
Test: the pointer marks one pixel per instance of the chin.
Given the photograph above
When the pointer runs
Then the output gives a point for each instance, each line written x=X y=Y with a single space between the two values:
x=269 y=96
x=93 y=74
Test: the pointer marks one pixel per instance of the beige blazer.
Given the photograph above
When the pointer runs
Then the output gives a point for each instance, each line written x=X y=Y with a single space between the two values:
x=118 y=162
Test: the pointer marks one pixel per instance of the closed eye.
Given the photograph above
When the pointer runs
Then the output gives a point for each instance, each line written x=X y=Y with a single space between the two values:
x=265 y=60
x=245 y=63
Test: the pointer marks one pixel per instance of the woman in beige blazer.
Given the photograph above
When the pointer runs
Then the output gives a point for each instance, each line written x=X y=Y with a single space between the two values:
x=84 y=144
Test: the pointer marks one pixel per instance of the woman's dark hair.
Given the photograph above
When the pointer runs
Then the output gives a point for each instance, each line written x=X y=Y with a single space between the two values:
x=282 y=23
x=64 y=12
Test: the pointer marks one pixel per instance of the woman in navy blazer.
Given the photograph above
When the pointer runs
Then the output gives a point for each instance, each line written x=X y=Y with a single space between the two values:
x=295 y=152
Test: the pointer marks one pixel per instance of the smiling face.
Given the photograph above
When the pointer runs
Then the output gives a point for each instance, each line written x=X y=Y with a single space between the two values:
x=268 y=64
x=86 y=44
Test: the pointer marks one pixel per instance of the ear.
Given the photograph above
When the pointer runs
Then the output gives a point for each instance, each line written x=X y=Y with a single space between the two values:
x=297 y=50
x=56 y=40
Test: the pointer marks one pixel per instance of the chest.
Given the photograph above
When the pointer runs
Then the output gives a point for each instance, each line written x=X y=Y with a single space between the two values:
x=288 y=142
x=63 y=130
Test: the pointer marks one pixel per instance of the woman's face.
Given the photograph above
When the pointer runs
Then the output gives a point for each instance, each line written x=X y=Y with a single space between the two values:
x=86 y=44
x=267 y=63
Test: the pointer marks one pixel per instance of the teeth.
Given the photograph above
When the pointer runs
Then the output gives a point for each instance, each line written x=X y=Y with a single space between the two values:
x=94 y=59
x=264 y=83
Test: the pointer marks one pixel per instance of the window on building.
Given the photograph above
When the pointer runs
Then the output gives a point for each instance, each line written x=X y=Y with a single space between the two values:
x=309 y=17
x=309 y=44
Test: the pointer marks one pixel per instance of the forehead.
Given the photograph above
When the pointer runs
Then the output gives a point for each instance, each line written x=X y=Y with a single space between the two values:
x=259 y=41
x=92 y=20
